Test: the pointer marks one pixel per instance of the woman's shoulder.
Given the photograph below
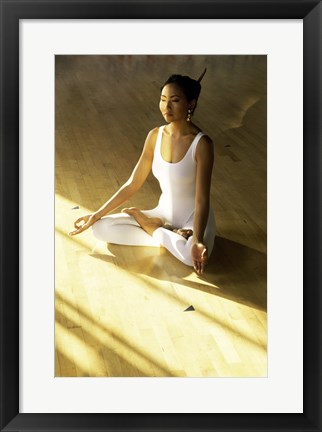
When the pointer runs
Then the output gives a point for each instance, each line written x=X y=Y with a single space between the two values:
x=152 y=136
x=153 y=133
x=203 y=137
x=206 y=138
x=155 y=130
x=205 y=147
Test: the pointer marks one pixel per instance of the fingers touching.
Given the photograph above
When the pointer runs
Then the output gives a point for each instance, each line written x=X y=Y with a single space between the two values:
x=81 y=224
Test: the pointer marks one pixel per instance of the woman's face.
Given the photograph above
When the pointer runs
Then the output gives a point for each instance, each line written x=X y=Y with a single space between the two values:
x=173 y=103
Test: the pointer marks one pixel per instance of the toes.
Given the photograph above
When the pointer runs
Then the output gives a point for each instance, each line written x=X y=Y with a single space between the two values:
x=186 y=233
x=168 y=227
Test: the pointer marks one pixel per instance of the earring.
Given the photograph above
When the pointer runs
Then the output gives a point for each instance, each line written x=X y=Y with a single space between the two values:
x=189 y=115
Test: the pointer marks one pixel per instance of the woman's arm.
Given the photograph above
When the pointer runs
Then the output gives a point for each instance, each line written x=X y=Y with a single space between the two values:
x=205 y=161
x=132 y=185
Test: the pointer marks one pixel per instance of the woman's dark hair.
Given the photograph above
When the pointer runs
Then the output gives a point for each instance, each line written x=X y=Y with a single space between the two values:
x=190 y=87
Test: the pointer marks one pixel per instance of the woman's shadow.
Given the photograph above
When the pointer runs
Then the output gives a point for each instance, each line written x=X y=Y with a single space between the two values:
x=234 y=271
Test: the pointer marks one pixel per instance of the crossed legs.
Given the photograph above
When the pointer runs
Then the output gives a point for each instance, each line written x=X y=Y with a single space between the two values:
x=141 y=228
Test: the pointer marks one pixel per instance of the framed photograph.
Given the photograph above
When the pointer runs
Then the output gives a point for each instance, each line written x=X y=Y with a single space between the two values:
x=96 y=338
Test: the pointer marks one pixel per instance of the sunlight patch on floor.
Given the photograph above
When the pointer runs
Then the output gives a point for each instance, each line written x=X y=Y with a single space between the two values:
x=84 y=332
x=86 y=358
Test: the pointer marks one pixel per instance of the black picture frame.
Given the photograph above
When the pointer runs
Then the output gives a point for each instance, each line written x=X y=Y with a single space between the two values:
x=11 y=12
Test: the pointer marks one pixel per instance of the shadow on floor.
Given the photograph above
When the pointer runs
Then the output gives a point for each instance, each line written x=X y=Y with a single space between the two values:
x=235 y=272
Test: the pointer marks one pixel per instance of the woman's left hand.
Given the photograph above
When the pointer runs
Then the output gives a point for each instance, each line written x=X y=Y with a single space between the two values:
x=199 y=254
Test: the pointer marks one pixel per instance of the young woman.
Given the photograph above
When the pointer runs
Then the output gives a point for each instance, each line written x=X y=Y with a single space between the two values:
x=181 y=158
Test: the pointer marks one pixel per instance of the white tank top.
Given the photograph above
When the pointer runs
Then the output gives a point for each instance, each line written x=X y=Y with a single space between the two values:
x=177 y=182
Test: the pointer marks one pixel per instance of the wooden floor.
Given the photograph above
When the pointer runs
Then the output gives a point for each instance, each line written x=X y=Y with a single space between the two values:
x=120 y=310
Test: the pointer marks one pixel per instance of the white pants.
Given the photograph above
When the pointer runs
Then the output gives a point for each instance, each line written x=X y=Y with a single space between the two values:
x=123 y=229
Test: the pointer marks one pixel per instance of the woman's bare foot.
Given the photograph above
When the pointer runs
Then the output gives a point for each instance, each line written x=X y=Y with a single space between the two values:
x=149 y=224
x=186 y=233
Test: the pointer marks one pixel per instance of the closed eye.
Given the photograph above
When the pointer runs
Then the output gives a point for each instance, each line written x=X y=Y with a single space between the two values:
x=172 y=100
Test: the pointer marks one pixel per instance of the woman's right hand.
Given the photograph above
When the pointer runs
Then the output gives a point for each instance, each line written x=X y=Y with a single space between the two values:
x=83 y=223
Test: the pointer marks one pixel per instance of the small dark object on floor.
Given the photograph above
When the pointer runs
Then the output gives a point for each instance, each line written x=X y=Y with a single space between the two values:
x=190 y=308
x=75 y=208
